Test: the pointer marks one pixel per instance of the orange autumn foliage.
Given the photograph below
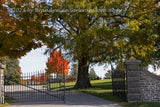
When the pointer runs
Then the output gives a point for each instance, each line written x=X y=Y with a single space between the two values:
x=34 y=78
x=69 y=79
x=23 y=31
x=55 y=63
x=43 y=78
x=23 y=82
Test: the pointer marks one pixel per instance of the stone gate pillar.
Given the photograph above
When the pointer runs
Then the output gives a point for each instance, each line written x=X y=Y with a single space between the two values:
x=2 y=83
x=133 y=80
x=133 y=68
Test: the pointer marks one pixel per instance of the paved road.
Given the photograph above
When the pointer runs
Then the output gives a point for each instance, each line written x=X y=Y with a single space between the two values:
x=33 y=93
x=73 y=99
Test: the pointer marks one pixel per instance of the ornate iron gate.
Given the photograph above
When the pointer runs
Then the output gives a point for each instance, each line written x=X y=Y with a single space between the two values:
x=119 y=83
x=37 y=86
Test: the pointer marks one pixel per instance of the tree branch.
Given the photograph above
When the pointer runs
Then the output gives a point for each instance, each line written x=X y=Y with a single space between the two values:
x=64 y=27
x=70 y=25
x=94 y=21
x=128 y=8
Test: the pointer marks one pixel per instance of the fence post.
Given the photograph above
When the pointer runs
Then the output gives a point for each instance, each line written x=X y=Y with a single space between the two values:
x=2 y=100
x=64 y=84
x=133 y=80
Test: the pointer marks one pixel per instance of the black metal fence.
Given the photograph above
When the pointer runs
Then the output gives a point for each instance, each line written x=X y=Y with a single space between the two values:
x=37 y=86
x=119 y=83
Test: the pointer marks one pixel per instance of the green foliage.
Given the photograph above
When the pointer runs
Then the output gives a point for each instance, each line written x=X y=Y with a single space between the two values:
x=8 y=101
x=121 y=67
x=12 y=72
x=156 y=54
x=20 y=32
x=108 y=35
x=108 y=74
x=92 y=74
x=104 y=35
x=74 y=72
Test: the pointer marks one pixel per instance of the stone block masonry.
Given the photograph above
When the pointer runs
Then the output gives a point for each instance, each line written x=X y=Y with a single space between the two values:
x=2 y=100
x=149 y=86
x=142 y=85
x=133 y=80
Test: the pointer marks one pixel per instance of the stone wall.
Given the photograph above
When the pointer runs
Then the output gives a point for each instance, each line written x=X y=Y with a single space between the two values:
x=142 y=85
x=149 y=86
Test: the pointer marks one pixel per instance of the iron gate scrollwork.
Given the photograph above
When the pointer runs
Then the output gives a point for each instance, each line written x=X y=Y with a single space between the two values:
x=119 y=83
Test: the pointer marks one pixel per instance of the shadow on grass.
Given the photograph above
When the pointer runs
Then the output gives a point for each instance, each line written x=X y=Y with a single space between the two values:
x=100 y=88
x=8 y=101
x=66 y=88
x=102 y=91
x=104 y=85
x=106 y=95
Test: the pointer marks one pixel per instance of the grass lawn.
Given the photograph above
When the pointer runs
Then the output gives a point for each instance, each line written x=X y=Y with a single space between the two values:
x=142 y=104
x=103 y=89
x=100 y=88
x=8 y=101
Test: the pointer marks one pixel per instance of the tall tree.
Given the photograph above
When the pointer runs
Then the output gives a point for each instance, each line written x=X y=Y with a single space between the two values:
x=93 y=31
x=43 y=78
x=156 y=54
x=108 y=74
x=74 y=72
x=21 y=28
x=104 y=31
x=12 y=72
x=120 y=66
x=56 y=63
x=92 y=74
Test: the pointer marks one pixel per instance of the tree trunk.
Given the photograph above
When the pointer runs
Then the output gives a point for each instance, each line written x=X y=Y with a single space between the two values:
x=83 y=75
